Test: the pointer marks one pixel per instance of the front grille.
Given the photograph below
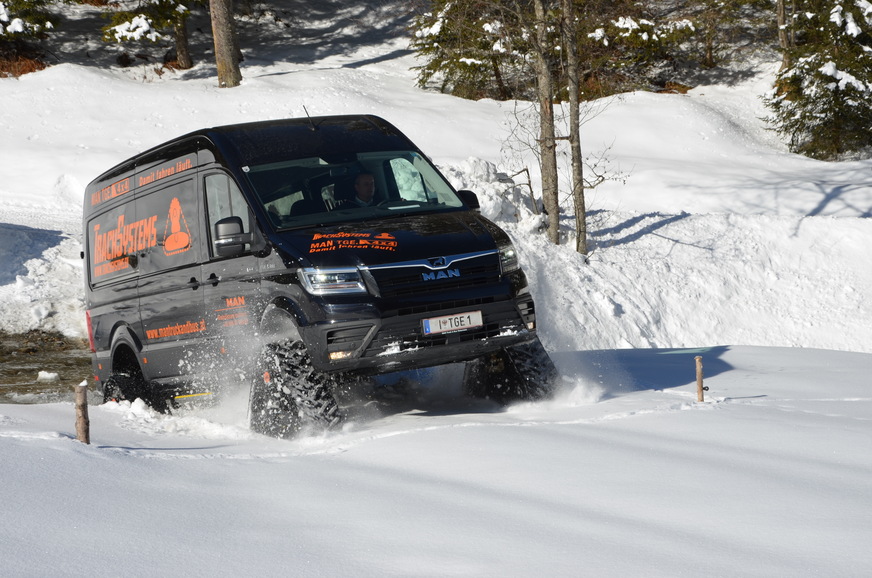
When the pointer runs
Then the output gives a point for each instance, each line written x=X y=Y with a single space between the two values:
x=408 y=281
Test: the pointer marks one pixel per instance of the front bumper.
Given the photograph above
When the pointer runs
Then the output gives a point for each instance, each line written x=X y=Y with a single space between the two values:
x=380 y=345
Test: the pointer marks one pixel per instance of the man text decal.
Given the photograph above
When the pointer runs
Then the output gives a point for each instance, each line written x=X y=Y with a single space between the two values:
x=110 y=192
x=334 y=241
x=235 y=313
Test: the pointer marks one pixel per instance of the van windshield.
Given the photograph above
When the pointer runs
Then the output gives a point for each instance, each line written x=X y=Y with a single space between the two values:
x=316 y=190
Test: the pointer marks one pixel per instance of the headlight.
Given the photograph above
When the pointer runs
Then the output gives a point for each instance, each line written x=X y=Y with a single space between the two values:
x=508 y=257
x=332 y=281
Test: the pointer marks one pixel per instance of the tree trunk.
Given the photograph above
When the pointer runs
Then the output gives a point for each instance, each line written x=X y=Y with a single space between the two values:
x=237 y=51
x=183 y=52
x=498 y=78
x=784 y=36
x=570 y=50
x=226 y=50
x=547 y=141
x=709 y=57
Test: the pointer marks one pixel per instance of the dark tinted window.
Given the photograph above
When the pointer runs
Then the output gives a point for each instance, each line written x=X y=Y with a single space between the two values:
x=116 y=238
x=174 y=210
x=314 y=190
x=224 y=199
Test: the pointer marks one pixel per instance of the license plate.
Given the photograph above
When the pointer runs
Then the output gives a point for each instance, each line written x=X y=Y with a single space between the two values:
x=448 y=323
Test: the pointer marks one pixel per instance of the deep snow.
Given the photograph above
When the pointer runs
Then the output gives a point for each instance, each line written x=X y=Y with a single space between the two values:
x=718 y=243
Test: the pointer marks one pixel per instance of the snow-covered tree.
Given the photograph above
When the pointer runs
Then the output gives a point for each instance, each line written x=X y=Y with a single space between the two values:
x=24 y=19
x=472 y=48
x=822 y=101
x=487 y=48
x=153 y=20
x=720 y=27
x=23 y=23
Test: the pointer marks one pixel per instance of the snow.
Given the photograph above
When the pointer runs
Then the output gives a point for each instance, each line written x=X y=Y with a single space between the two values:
x=717 y=243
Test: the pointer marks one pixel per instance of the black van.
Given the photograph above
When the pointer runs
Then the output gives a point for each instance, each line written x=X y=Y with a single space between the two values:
x=247 y=250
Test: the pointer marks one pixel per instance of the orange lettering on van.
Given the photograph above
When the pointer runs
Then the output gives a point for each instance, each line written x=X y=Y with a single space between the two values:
x=177 y=236
x=114 y=190
x=124 y=240
x=184 y=165
x=233 y=302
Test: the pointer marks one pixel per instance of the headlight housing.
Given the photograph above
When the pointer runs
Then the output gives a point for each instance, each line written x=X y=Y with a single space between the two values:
x=508 y=256
x=332 y=281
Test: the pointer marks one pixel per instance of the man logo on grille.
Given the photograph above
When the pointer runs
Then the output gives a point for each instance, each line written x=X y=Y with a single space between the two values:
x=444 y=274
x=438 y=262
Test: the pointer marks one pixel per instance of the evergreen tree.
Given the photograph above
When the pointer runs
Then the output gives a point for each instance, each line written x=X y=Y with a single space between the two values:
x=152 y=20
x=23 y=23
x=23 y=19
x=722 y=26
x=487 y=48
x=823 y=100
x=474 y=48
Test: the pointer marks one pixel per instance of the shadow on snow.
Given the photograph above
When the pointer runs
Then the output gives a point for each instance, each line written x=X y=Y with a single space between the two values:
x=19 y=244
x=620 y=371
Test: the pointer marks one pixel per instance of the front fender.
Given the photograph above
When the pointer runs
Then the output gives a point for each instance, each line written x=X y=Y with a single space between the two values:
x=280 y=321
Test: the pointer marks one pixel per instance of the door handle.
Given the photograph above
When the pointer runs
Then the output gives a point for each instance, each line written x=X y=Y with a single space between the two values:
x=193 y=284
x=213 y=279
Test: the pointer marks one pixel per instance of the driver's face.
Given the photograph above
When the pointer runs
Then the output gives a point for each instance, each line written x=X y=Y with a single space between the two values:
x=364 y=185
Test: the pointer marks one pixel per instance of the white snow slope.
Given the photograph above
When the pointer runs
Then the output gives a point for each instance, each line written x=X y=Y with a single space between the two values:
x=717 y=242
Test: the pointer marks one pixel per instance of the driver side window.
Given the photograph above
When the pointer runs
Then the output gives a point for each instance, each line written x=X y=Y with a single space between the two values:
x=224 y=199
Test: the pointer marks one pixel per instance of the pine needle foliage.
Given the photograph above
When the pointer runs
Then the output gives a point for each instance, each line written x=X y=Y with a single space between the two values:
x=484 y=48
x=822 y=102
x=25 y=19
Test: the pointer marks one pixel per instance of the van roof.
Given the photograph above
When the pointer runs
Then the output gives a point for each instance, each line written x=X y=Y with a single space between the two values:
x=270 y=141
x=255 y=143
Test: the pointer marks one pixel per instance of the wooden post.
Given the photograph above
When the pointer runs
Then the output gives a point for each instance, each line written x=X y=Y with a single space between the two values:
x=83 y=423
x=699 y=386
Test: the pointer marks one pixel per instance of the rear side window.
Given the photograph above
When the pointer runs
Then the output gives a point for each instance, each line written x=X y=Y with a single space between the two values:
x=116 y=238
x=174 y=211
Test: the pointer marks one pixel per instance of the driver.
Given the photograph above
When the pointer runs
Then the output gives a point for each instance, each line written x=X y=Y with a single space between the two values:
x=364 y=188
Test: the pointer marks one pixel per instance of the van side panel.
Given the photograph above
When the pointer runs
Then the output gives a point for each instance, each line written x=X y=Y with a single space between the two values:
x=170 y=299
x=232 y=288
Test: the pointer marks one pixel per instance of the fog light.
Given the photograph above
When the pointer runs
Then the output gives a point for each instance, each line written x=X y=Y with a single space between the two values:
x=531 y=325
x=337 y=355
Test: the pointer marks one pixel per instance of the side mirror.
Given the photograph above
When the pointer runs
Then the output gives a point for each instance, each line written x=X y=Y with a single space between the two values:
x=469 y=199
x=229 y=237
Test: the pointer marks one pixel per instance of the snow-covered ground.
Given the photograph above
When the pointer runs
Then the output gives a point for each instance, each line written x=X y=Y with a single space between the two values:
x=717 y=243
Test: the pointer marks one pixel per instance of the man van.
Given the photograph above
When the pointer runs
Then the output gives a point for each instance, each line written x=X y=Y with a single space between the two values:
x=251 y=249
